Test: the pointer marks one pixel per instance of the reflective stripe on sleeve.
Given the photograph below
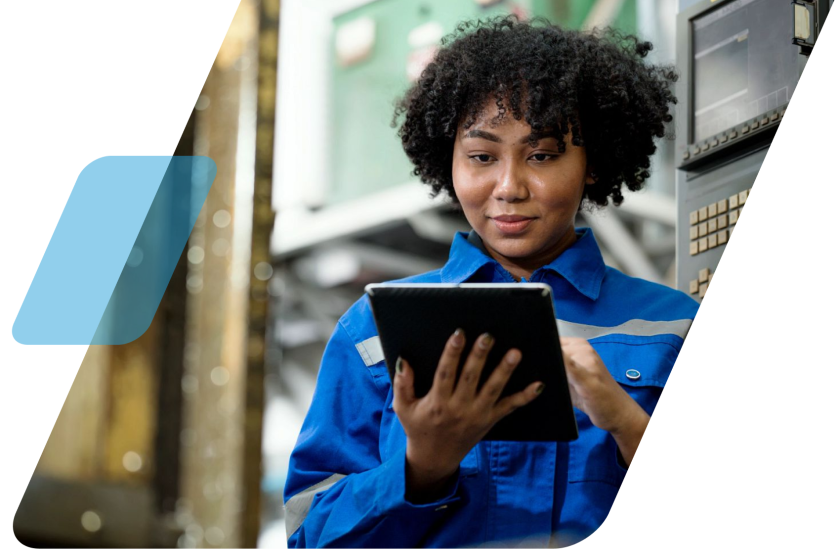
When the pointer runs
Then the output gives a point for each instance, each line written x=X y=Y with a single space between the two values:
x=371 y=350
x=634 y=327
x=298 y=505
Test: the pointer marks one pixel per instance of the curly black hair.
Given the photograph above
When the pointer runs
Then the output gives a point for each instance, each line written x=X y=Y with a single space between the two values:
x=594 y=83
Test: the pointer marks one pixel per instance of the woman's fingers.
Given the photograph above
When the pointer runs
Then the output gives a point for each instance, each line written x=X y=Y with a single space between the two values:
x=447 y=368
x=517 y=400
x=497 y=381
x=403 y=386
x=468 y=381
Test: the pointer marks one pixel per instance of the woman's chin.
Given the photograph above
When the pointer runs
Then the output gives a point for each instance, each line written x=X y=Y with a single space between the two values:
x=512 y=249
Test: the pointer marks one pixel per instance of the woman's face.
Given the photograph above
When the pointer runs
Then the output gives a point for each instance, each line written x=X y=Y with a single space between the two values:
x=521 y=200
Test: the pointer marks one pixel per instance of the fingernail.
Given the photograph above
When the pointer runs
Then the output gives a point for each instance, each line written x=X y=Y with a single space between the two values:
x=458 y=338
x=486 y=341
x=539 y=388
x=399 y=365
x=512 y=358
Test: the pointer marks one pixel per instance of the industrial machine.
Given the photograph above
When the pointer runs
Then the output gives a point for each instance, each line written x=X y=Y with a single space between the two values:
x=739 y=62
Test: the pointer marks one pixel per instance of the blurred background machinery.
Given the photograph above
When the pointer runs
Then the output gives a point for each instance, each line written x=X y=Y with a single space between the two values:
x=182 y=438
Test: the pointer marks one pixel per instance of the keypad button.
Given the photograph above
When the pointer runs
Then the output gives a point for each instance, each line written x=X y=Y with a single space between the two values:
x=722 y=236
x=765 y=121
x=754 y=125
x=723 y=206
x=693 y=286
x=712 y=209
x=733 y=135
x=742 y=198
x=703 y=213
x=703 y=244
x=733 y=217
x=733 y=201
x=692 y=233
x=704 y=275
x=693 y=248
x=703 y=228
x=713 y=225
x=713 y=241
x=702 y=289
x=722 y=221
x=692 y=218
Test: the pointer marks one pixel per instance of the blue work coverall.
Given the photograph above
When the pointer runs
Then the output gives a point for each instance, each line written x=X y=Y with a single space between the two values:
x=346 y=482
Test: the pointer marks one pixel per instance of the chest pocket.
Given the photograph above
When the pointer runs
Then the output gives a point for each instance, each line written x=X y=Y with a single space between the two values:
x=641 y=368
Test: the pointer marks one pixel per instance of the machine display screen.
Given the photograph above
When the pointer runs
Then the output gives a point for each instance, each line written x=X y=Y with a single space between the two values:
x=744 y=63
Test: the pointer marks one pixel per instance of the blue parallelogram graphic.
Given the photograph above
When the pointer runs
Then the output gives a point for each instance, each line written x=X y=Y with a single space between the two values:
x=114 y=249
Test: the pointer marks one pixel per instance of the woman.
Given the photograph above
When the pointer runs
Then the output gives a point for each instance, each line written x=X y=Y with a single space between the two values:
x=522 y=124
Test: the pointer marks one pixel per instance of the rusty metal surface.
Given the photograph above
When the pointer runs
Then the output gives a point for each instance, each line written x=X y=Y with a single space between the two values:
x=263 y=222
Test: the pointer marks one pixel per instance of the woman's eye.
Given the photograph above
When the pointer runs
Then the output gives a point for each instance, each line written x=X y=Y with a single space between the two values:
x=541 y=158
x=482 y=158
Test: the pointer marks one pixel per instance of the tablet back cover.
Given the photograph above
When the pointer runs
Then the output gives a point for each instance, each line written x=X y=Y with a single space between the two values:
x=415 y=321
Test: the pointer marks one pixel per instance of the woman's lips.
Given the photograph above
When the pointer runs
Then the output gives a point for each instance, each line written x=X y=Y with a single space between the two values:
x=512 y=224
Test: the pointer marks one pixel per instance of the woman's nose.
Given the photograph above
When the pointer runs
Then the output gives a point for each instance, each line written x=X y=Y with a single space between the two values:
x=511 y=184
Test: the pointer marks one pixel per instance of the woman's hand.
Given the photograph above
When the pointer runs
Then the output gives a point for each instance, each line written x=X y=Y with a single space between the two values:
x=451 y=419
x=595 y=392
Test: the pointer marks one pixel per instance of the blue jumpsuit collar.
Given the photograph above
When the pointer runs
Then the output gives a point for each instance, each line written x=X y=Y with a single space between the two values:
x=581 y=264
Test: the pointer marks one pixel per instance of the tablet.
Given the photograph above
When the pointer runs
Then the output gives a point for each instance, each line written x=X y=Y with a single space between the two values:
x=415 y=321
